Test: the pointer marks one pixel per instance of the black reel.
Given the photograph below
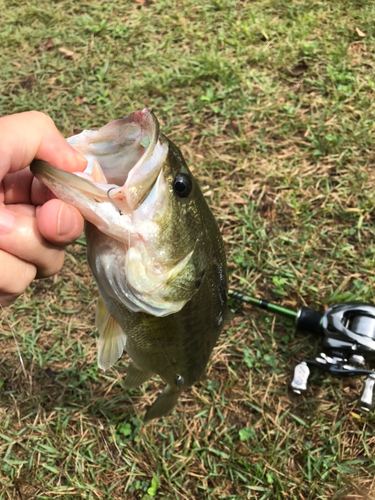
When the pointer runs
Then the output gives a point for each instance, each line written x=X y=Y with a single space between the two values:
x=348 y=344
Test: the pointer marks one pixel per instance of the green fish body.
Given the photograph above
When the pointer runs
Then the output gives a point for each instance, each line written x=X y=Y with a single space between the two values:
x=155 y=251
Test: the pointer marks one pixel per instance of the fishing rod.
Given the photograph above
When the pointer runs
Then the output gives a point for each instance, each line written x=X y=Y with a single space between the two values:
x=347 y=333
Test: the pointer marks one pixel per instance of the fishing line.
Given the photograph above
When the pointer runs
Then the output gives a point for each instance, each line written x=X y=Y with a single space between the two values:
x=19 y=353
x=17 y=346
x=112 y=202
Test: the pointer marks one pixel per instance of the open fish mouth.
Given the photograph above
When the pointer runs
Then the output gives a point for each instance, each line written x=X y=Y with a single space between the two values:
x=154 y=249
x=129 y=151
x=124 y=193
x=125 y=160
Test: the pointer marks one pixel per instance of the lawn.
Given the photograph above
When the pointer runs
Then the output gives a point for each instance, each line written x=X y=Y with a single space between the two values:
x=272 y=104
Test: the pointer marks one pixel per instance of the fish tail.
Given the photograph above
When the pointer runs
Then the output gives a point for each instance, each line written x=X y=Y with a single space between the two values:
x=163 y=404
x=135 y=376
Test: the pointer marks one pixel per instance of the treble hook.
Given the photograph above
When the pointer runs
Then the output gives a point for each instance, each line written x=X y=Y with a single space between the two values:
x=113 y=203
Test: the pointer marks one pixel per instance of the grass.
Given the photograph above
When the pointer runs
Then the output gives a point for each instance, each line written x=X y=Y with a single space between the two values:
x=272 y=103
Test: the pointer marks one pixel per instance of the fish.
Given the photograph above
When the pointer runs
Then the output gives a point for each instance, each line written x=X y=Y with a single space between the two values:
x=154 y=249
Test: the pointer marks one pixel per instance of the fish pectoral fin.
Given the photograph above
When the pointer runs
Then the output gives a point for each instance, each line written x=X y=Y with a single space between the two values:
x=112 y=339
x=135 y=376
x=163 y=404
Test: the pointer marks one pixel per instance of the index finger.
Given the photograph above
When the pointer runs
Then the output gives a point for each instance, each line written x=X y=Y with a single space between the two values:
x=29 y=135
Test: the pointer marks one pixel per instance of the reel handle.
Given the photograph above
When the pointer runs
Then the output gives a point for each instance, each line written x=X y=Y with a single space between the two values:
x=367 y=399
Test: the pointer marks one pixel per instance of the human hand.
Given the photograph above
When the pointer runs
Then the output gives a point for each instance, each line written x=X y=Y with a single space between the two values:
x=34 y=226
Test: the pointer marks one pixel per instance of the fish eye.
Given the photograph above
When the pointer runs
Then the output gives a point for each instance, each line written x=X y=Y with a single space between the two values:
x=182 y=185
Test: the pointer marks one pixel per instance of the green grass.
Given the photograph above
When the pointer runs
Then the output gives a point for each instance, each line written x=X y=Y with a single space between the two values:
x=272 y=103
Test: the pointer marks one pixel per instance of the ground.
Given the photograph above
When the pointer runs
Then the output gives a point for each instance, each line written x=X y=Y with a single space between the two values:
x=272 y=104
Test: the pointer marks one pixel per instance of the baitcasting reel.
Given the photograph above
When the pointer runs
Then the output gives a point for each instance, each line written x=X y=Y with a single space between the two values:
x=348 y=342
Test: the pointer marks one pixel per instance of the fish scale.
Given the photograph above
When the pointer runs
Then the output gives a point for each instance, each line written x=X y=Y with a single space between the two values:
x=154 y=249
x=180 y=343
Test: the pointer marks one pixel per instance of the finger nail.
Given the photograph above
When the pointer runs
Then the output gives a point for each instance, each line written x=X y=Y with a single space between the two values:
x=66 y=221
x=7 y=220
x=80 y=158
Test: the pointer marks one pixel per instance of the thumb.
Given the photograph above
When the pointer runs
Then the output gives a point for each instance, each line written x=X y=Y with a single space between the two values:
x=30 y=135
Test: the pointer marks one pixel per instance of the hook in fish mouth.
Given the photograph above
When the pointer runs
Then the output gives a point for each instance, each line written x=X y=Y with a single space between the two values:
x=125 y=195
x=123 y=169
x=112 y=202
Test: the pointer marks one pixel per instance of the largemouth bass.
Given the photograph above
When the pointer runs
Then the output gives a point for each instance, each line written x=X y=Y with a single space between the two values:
x=154 y=249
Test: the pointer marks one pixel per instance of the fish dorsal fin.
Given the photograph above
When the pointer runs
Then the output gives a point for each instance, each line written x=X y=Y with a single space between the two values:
x=112 y=339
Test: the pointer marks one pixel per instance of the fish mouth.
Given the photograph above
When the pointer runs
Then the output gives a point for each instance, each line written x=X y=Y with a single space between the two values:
x=130 y=153
x=124 y=194
x=119 y=146
x=125 y=161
